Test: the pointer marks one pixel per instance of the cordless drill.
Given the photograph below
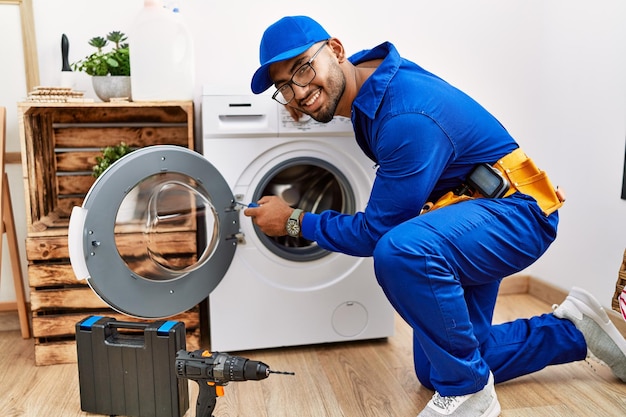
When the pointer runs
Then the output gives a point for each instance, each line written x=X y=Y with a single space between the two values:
x=213 y=370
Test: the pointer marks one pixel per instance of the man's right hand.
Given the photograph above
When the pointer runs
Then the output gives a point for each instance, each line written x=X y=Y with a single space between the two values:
x=295 y=113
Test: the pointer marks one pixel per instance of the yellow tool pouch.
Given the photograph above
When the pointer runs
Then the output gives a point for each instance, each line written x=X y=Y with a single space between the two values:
x=523 y=176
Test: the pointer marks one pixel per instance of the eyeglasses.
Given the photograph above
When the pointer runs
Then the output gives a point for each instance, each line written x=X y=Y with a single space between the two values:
x=302 y=77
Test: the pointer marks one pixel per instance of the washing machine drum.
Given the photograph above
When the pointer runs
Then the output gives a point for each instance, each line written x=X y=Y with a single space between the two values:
x=156 y=232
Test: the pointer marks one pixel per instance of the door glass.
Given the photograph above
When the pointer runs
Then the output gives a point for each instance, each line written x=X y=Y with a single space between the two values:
x=158 y=224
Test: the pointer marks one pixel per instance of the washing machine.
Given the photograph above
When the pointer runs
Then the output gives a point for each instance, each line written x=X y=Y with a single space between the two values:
x=162 y=229
x=288 y=291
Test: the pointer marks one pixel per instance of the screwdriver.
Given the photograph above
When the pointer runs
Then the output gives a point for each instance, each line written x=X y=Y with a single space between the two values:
x=251 y=205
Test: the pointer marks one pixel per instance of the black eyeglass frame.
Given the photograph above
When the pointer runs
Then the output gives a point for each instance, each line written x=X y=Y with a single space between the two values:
x=287 y=86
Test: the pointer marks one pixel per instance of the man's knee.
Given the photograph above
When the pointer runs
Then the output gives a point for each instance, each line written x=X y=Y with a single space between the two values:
x=383 y=250
x=386 y=257
x=394 y=252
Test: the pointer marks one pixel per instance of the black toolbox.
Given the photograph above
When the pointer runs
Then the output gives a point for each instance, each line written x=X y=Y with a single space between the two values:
x=128 y=368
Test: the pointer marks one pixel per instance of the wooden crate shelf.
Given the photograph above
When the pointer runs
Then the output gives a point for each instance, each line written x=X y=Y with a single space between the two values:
x=60 y=142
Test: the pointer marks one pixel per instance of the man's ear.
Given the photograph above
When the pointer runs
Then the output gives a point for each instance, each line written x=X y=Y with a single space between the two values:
x=337 y=48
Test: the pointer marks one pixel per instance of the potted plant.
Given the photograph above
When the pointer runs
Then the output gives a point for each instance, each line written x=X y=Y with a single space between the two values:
x=110 y=154
x=110 y=70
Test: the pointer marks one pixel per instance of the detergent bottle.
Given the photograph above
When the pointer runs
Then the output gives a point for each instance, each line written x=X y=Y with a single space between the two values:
x=161 y=55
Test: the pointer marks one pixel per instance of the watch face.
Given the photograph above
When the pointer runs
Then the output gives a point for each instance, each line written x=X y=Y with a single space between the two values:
x=293 y=228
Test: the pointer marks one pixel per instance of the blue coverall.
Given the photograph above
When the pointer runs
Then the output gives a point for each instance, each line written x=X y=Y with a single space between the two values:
x=441 y=270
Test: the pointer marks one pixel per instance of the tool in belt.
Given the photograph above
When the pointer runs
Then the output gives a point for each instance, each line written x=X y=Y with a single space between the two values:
x=513 y=172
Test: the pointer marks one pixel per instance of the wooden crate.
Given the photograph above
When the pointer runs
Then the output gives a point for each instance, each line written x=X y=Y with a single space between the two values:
x=60 y=142
x=619 y=285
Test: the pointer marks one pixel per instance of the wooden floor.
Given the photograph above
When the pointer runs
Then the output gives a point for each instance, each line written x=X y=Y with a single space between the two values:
x=363 y=379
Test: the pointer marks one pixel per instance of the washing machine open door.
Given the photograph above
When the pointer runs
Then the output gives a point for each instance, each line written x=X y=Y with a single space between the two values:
x=156 y=232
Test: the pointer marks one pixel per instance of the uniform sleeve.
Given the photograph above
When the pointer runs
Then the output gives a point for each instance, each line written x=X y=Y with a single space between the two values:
x=412 y=152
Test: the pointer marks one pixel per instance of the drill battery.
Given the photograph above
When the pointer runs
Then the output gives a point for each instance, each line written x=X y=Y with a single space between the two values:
x=128 y=368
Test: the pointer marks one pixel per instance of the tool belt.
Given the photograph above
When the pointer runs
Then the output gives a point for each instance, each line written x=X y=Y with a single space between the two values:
x=522 y=175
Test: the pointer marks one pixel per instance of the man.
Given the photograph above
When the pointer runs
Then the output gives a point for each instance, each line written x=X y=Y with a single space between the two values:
x=455 y=207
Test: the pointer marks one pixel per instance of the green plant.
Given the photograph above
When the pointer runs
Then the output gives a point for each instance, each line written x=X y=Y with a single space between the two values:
x=110 y=154
x=115 y=61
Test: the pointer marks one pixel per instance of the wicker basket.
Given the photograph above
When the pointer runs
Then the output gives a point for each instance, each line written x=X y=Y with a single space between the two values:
x=619 y=286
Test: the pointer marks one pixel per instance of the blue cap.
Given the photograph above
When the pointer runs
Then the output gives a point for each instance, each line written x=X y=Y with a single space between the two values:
x=285 y=39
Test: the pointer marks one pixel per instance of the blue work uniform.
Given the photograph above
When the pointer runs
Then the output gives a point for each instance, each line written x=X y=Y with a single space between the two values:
x=441 y=270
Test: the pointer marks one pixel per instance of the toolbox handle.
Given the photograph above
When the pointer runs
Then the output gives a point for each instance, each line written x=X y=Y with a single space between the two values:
x=163 y=329
x=127 y=325
x=132 y=340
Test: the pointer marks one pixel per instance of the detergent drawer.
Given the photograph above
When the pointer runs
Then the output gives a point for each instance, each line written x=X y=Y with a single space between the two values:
x=239 y=116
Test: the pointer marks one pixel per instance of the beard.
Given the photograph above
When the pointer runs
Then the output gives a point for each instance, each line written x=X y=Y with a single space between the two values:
x=336 y=85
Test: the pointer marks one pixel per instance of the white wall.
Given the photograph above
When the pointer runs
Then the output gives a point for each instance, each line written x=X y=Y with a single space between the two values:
x=581 y=135
x=553 y=71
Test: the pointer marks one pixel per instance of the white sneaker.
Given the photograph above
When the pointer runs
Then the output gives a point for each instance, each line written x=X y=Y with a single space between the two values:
x=603 y=339
x=483 y=403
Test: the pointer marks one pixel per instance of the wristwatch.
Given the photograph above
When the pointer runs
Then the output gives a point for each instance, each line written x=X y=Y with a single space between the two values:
x=293 y=223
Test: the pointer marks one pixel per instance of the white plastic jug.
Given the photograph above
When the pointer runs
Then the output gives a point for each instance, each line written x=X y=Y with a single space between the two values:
x=161 y=55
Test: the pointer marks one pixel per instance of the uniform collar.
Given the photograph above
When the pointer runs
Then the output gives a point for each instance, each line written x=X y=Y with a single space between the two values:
x=371 y=93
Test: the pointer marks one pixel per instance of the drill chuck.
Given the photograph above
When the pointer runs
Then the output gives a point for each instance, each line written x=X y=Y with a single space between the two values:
x=236 y=368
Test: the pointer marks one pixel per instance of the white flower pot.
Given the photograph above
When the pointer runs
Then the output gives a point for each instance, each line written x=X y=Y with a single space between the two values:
x=108 y=87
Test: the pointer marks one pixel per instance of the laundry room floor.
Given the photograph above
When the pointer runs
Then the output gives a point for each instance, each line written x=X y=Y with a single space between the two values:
x=359 y=379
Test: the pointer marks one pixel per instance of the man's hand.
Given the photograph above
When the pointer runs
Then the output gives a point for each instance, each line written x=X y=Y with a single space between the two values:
x=295 y=113
x=271 y=216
